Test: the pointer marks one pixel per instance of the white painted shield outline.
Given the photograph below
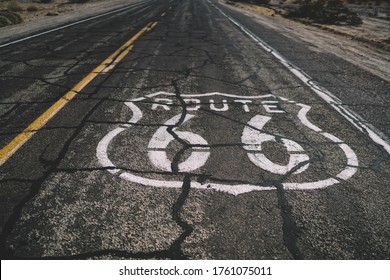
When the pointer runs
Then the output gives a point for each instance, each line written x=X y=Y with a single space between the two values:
x=101 y=153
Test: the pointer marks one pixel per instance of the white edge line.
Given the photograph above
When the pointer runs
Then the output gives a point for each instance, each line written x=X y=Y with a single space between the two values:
x=326 y=95
x=72 y=24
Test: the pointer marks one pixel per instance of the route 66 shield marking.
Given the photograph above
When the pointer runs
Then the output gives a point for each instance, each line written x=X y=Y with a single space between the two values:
x=209 y=135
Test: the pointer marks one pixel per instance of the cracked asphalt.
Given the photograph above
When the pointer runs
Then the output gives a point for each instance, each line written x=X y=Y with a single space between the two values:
x=197 y=144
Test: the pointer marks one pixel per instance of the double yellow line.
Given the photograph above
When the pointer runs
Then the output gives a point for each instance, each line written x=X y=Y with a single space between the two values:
x=108 y=64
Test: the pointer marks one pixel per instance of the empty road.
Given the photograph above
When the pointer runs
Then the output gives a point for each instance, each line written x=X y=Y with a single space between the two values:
x=189 y=130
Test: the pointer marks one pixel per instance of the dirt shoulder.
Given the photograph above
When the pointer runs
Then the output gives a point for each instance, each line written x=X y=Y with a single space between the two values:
x=375 y=29
x=58 y=12
x=364 y=46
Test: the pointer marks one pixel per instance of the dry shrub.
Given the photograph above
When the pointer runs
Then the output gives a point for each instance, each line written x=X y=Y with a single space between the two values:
x=32 y=8
x=14 y=7
x=9 y=18
x=254 y=2
x=327 y=12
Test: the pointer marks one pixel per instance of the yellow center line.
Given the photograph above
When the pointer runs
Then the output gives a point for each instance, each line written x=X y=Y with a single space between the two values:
x=108 y=64
x=117 y=60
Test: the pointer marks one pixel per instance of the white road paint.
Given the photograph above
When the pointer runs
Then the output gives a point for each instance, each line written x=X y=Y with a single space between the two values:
x=195 y=102
x=352 y=161
x=224 y=107
x=252 y=138
x=102 y=148
x=356 y=120
x=163 y=103
x=161 y=138
x=244 y=104
x=271 y=106
x=302 y=116
x=208 y=94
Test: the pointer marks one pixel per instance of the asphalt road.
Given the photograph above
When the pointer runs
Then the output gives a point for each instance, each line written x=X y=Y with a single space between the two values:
x=205 y=135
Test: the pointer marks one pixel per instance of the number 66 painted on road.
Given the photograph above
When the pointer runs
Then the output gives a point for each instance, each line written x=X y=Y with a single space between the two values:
x=161 y=139
x=197 y=150
x=252 y=138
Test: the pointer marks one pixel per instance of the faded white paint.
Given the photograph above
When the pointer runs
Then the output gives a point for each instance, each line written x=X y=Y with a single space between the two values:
x=192 y=100
x=102 y=148
x=252 y=138
x=163 y=103
x=161 y=138
x=356 y=120
x=194 y=104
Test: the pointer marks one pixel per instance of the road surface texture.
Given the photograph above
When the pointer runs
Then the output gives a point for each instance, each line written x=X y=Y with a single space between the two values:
x=189 y=130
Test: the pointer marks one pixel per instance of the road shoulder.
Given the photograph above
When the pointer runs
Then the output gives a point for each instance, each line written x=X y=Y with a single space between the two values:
x=43 y=23
x=366 y=56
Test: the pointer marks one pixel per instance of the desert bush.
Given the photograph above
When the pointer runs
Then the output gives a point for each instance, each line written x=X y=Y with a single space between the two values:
x=260 y=2
x=32 y=8
x=14 y=18
x=78 y=1
x=327 y=12
x=9 y=18
x=4 y=21
x=14 y=7
x=254 y=2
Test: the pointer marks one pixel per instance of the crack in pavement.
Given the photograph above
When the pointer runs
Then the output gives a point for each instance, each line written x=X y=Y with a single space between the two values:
x=6 y=251
x=290 y=230
x=175 y=249
x=204 y=58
